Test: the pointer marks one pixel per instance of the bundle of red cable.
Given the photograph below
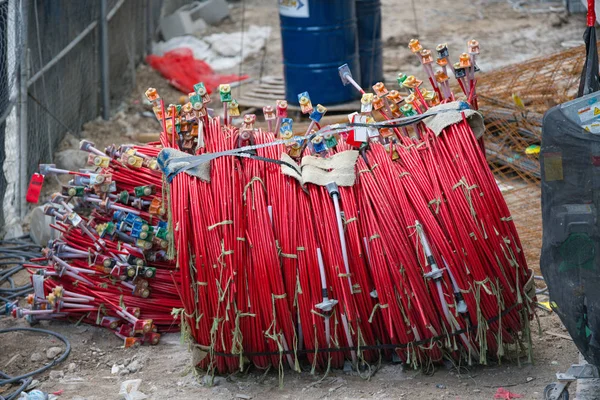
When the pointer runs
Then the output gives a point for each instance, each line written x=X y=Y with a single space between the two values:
x=109 y=266
x=419 y=259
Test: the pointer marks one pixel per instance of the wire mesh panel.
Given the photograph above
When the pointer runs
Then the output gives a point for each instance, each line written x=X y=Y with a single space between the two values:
x=513 y=100
x=63 y=83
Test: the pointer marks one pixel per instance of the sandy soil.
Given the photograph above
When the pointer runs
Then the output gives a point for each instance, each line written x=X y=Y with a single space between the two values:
x=506 y=36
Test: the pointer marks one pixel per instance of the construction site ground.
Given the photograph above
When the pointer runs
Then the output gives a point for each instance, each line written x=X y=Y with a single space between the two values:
x=506 y=36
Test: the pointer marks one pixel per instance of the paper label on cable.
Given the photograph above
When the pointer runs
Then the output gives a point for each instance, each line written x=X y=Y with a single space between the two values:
x=38 y=286
x=361 y=133
x=294 y=8
x=372 y=132
x=74 y=218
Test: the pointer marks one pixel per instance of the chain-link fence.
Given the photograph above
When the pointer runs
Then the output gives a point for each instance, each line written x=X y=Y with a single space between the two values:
x=55 y=48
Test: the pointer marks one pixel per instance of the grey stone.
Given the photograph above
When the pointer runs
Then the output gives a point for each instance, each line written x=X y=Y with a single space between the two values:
x=52 y=352
x=134 y=366
x=71 y=159
x=39 y=227
x=72 y=367
x=118 y=369
x=36 y=357
x=69 y=142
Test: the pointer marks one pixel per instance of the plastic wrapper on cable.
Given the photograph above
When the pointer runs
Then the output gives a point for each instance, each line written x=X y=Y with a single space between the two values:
x=112 y=264
x=339 y=245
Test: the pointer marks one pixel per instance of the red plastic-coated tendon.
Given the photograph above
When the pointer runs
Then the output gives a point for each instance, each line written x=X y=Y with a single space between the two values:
x=253 y=234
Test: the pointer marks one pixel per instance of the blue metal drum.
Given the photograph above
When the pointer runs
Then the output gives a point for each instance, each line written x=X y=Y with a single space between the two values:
x=317 y=37
x=370 y=48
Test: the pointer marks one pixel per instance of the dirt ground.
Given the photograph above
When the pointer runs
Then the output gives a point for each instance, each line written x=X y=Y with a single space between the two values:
x=506 y=36
x=166 y=374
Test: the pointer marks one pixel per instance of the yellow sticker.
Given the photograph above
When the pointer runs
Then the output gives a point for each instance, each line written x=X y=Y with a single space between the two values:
x=596 y=111
x=553 y=167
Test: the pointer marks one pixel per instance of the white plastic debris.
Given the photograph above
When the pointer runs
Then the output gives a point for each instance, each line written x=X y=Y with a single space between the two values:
x=36 y=395
x=130 y=390
x=220 y=50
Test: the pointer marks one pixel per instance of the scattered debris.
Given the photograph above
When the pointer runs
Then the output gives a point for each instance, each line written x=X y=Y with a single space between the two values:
x=130 y=390
x=560 y=335
x=184 y=21
x=126 y=367
x=56 y=375
x=37 y=395
x=211 y=11
x=13 y=358
x=220 y=51
x=118 y=369
x=209 y=380
x=183 y=71
x=34 y=383
x=134 y=366
x=502 y=393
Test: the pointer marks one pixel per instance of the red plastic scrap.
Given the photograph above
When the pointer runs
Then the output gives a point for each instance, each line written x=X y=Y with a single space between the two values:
x=502 y=393
x=183 y=71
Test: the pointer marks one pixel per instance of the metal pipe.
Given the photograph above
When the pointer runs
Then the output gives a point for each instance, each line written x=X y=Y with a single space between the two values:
x=23 y=136
x=62 y=53
x=104 y=67
x=110 y=14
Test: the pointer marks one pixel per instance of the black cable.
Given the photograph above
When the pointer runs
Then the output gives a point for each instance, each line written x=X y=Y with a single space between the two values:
x=24 y=378
x=14 y=253
x=13 y=395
